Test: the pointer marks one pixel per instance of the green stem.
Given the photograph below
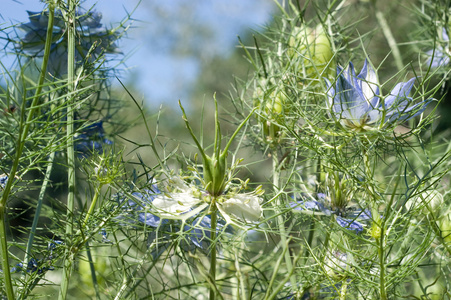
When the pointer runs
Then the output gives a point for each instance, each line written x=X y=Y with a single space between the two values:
x=281 y=223
x=240 y=288
x=390 y=39
x=70 y=256
x=88 y=249
x=37 y=214
x=382 y=288
x=214 y=221
x=275 y=268
x=369 y=173
x=282 y=283
x=310 y=240
x=5 y=262
x=344 y=287
x=93 y=270
x=34 y=225
x=23 y=132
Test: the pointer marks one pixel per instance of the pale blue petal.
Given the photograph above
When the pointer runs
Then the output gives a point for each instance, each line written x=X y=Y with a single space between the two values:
x=350 y=224
x=437 y=58
x=406 y=115
x=374 y=116
x=360 y=214
x=330 y=92
x=348 y=101
x=399 y=93
x=369 y=84
x=363 y=73
x=311 y=205
x=150 y=220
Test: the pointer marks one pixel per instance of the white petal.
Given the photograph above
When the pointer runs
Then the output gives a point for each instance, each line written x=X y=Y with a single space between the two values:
x=178 y=184
x=178 y=205
x=243 y=206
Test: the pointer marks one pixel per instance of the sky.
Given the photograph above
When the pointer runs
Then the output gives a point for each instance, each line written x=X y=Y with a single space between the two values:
x=167 y=39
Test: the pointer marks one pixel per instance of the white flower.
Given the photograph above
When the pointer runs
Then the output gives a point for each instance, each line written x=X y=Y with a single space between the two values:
x=182 y=202
x=336 y=264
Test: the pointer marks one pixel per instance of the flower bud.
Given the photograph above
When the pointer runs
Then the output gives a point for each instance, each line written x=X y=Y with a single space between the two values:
x=215 y=170
x=430 y=201
x=313 y=50
x=271 y=104
x=445 y=227
x=273 y=99
x=376 y=229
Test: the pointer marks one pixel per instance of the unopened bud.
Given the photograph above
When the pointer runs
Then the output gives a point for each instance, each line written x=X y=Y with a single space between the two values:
x=313 y=48
x=427 y=202
x=445 y=227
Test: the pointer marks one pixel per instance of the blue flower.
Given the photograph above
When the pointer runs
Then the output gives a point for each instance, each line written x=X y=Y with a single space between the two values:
x=37 y=265
x=104 y=234
x=346 y=217
x=53 y=245
x=3 y=180
x=311 y=205
x=355 y=100
x=92 y=39
x=91 y=139
x=34 y=265
x=440 y=56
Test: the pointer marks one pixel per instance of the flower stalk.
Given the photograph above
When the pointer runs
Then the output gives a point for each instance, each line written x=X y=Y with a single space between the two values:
x=377 y=230
x=280 y=221
x=214 y=224
x=69 y=255
x=38 y=208
x=216 y=177
x=93 y=204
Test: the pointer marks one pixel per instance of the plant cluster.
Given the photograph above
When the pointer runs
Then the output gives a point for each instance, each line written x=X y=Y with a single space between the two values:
x=356 y=204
